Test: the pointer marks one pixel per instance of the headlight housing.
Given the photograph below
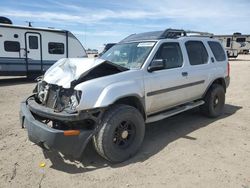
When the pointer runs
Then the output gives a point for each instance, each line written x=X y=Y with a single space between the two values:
x=75 y=99
x=56 y=97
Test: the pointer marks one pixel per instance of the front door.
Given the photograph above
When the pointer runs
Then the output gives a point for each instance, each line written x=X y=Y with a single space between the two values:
x=33 y=52
x=168 y=87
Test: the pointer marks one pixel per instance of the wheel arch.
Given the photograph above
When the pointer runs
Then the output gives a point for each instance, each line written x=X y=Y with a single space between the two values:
x=220 y=81
x=134 y=101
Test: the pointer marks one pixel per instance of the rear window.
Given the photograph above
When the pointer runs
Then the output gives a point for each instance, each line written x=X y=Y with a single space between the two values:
x=241 y=40
x=11 y=46
x=56 y=48
x=197 y=53
x=217 y=50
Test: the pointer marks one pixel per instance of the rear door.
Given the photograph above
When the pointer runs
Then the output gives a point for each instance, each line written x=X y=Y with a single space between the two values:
x=220 y=58
x=201 y=67
x=33 y=50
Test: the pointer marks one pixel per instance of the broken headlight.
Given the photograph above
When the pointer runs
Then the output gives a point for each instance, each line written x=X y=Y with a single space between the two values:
x=75 y=99
x=41 y=91
x=56 y=97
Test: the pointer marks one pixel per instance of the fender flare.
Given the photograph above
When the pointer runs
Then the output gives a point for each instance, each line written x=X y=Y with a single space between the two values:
x=220 y=79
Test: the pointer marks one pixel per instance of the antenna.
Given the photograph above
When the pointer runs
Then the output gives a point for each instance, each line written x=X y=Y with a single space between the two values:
x=29 y=23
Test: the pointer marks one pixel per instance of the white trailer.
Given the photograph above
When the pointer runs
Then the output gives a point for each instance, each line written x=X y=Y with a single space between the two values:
x=30 y=50
x=235 y=44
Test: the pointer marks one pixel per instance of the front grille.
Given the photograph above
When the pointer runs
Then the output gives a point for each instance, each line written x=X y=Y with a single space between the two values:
x=58 y=98
x=51 y=98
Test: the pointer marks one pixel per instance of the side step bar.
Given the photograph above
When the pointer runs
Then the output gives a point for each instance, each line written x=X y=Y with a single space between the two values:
x=173 y=111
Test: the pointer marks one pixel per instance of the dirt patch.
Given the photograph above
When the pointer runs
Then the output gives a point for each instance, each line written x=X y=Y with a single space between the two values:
x=188 y=150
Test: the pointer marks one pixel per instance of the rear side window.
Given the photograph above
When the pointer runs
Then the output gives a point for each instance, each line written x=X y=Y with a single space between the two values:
x=217 y=50
x=33 y=42
x=171 y=54
x=56 y=48
x=11 y=46
x=241 y=40
x=197 y=53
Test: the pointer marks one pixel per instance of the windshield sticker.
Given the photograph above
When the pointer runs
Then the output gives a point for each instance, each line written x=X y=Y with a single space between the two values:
x=146 y=44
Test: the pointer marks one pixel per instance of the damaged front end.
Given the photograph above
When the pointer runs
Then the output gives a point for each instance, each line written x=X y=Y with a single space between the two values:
x=53 y=123
x=51 y=115
x=57 y=97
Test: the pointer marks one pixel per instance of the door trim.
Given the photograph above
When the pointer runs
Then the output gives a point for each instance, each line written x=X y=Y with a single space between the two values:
x=157 y=92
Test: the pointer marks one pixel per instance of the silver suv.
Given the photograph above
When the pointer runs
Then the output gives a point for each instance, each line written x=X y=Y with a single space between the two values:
x=144 y=78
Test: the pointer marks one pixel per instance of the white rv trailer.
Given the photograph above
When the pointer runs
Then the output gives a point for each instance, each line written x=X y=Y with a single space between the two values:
x=30 y=50
x=235 y=44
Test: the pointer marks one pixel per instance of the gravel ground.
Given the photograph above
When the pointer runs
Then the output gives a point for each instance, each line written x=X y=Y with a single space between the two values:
x=187 y=150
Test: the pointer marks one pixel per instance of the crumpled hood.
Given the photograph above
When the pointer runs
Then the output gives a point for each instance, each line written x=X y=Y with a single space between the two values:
x=64 y=71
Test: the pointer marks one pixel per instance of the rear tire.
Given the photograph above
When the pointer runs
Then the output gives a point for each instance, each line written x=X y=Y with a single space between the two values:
x=121 y=135
x=214 y=101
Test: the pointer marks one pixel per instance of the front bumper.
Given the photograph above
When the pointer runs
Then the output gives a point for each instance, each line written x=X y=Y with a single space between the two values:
x=50 y=138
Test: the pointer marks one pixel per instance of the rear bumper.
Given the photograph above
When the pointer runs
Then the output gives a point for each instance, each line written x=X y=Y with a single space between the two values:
x=50 y=138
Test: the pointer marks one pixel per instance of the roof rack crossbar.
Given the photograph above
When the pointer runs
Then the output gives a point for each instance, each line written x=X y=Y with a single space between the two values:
x=176 y=33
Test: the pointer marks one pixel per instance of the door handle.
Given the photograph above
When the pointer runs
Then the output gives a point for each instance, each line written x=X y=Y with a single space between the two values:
x=184 y=73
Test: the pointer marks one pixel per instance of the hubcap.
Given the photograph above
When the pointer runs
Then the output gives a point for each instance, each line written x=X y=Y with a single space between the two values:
x=124 y=134
x=216 y=101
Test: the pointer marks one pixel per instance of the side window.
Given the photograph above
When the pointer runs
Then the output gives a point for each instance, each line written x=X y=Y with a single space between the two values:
x=171 y=55
x=217 y=50
x=11 y=46
x=241 y=40
x=56 y=48
x=228 y=42
x=33 y=42
x=197 y=53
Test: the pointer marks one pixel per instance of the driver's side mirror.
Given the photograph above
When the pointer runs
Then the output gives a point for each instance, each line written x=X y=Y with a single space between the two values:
x=156 y=64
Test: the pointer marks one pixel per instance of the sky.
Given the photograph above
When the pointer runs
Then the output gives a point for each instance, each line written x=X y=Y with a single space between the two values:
x=97 y=22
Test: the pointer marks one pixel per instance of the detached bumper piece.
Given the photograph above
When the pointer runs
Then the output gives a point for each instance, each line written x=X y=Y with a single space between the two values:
x=68 y=142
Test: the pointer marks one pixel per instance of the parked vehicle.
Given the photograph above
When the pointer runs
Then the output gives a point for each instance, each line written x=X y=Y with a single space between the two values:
x=30 y=50
x=107 y=47
x=235 y=44
x=92 y=53
x=144 y=78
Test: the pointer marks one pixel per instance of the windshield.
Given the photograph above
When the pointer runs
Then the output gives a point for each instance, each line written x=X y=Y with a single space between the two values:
x=129 y=55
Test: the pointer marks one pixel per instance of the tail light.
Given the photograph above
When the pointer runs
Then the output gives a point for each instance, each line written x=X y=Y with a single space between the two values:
x=228 y=69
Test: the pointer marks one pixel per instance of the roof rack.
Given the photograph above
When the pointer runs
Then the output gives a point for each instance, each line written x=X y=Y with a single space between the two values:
x=168 y=33
x=176 y=33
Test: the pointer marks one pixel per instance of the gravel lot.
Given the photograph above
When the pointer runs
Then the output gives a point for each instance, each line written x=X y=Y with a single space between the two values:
x=187 y=150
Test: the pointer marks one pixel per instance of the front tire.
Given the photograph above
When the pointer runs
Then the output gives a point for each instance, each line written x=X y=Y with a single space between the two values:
x=121 y=135
x=214 y=101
